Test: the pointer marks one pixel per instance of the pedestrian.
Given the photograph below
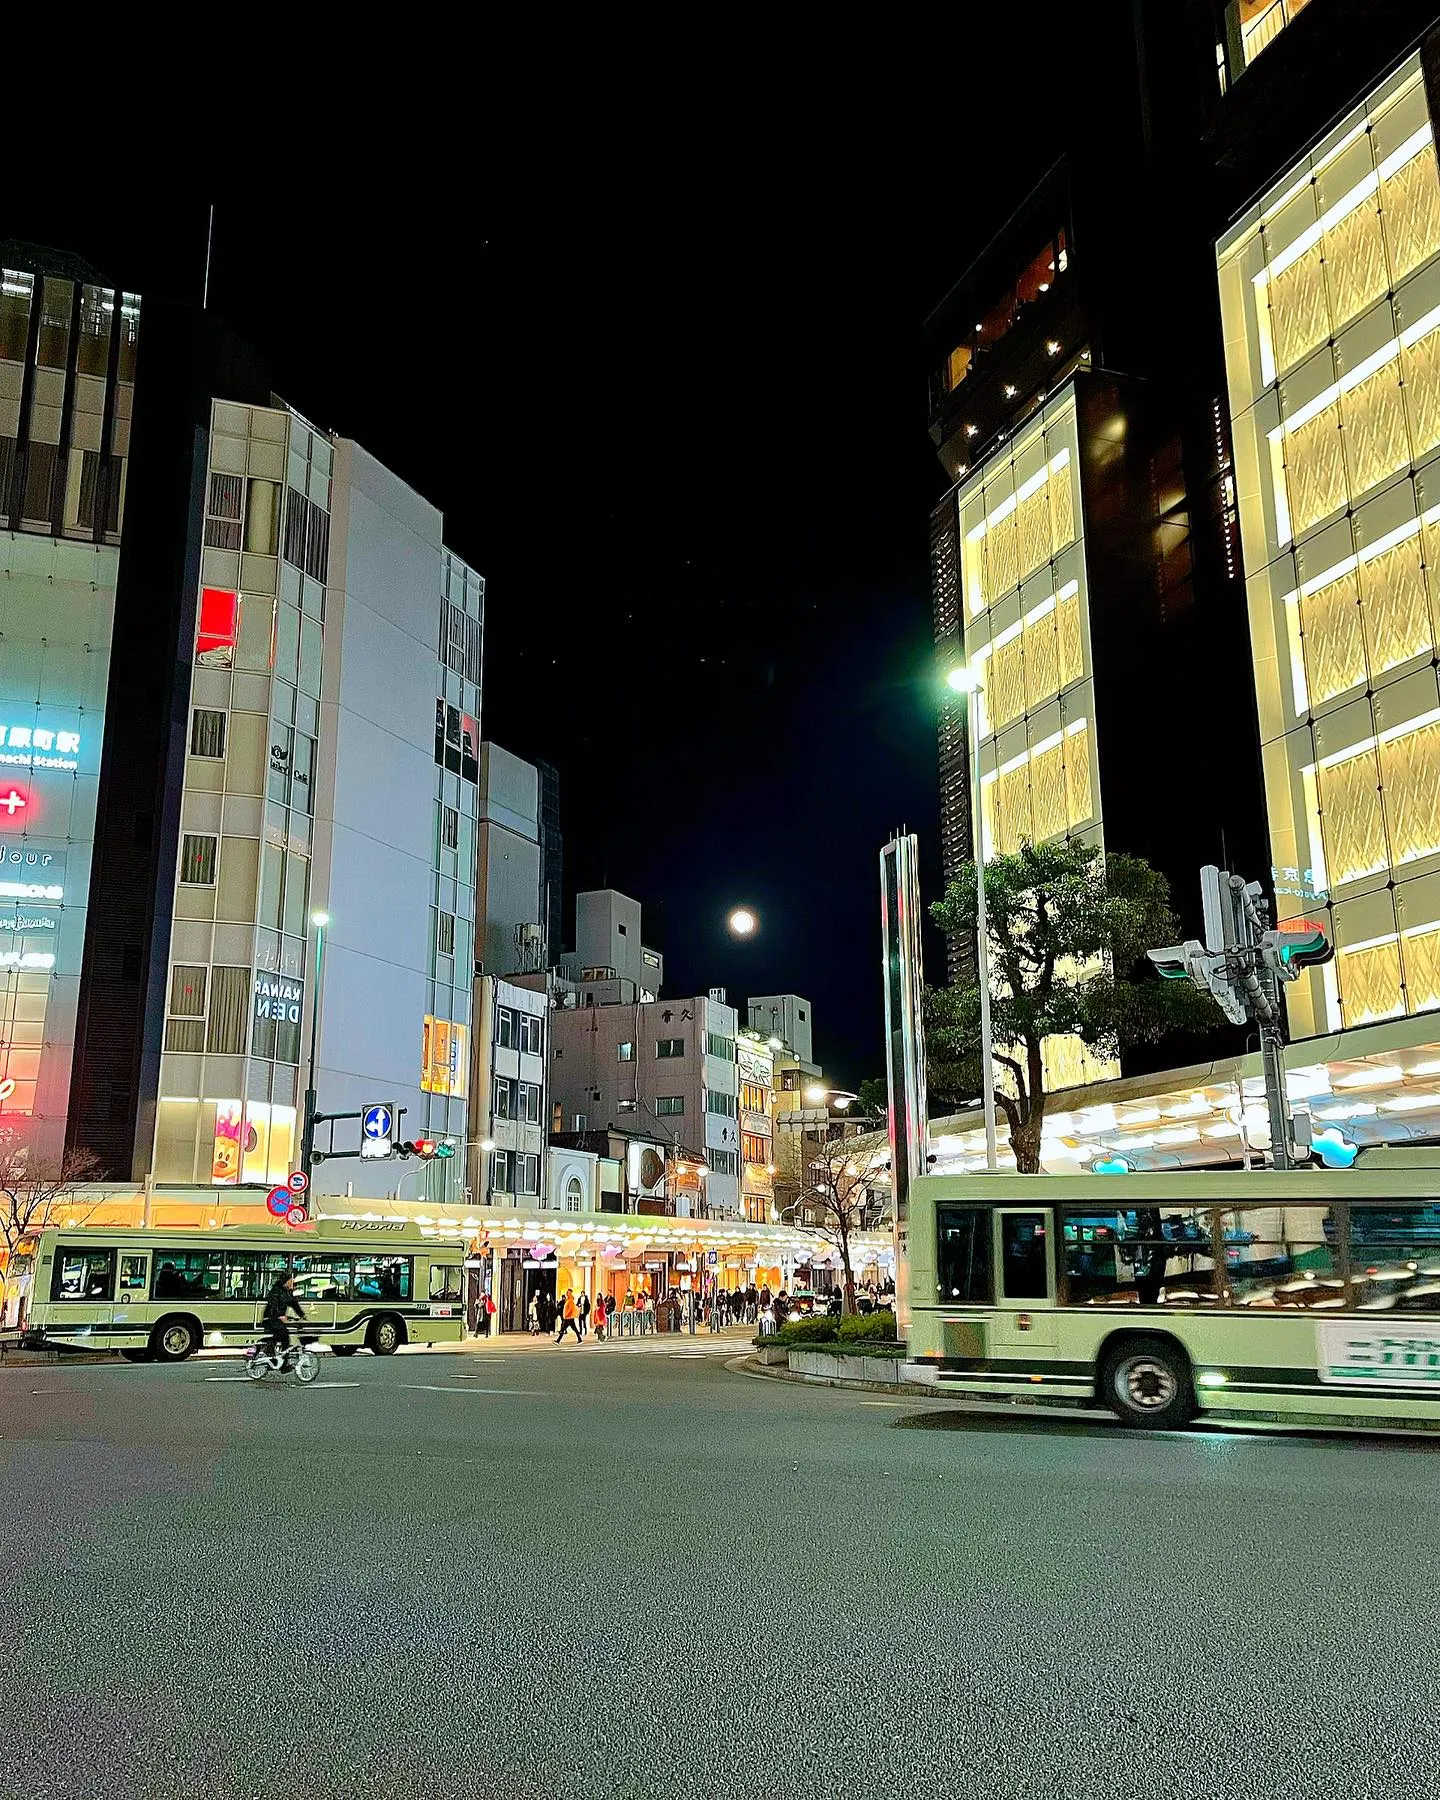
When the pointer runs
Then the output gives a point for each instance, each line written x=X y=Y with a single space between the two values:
x=569 y=1319
x=647 y=1314
x=627 y=1317
x=600 y=1319
x=532 y=1313
x=487 y=1311
x=583 y=1309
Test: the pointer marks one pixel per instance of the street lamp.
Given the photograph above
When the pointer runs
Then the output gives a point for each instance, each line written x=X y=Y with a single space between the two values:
x=307 y=1141
x=965 y=681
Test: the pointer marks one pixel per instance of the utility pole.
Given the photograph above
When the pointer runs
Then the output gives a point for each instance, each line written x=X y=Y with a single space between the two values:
x=1242 y=963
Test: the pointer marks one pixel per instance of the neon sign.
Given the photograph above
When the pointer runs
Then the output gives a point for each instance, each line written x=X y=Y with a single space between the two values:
x=31 y=890
x=11 y=803
x=27 y=959
x=37 y=747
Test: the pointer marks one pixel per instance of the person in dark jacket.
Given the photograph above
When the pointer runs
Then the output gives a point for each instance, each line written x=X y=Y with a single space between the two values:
x=278 y=1302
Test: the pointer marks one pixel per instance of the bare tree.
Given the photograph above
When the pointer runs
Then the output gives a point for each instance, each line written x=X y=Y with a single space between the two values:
x=832 y=1191
x=34 y=1194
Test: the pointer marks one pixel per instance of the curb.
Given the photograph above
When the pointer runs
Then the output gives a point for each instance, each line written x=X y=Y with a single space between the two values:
x=749 y=1365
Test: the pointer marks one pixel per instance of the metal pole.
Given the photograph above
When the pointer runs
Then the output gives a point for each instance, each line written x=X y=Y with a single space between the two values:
x=307 y=1141
x=1272 y=1057
x=982 y=928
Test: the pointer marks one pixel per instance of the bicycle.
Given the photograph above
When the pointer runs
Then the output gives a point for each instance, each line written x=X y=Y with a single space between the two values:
x=261 y=1361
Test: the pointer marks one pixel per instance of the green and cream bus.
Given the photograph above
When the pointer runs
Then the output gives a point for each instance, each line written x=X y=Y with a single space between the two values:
x=1277 y=1294
x=162 y=1295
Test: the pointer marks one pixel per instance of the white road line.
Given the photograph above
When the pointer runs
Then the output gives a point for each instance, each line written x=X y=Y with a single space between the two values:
x=426 y=1387
x=318 y=1386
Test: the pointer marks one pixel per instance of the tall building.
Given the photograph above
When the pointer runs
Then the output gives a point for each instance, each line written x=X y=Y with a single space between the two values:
x=783 y=1016
x=1085 y=563
x=1329 y=283
x=274 y=703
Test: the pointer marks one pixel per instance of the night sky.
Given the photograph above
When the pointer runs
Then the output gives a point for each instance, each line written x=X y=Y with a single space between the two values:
x=674 y=410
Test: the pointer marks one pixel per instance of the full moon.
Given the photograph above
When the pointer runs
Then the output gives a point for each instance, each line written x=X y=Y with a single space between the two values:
x=743 y=921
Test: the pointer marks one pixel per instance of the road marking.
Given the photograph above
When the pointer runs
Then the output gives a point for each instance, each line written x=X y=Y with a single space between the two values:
x=300 y=1384
x=426 y=1387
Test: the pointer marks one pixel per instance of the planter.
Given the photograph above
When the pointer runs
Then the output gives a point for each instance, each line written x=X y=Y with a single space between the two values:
x=837 y=1365
x=772 y=1356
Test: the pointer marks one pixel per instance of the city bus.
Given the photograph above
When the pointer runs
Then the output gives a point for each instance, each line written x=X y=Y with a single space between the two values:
x=160 y=1295
x=1166 y=1297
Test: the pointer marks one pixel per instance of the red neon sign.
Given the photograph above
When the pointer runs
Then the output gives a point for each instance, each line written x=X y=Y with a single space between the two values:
x=12 y=804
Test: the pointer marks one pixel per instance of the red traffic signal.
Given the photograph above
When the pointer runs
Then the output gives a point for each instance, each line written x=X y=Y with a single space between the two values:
x=421 y=1147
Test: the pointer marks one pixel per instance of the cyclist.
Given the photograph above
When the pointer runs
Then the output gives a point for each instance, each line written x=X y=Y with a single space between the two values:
x=280 y=1300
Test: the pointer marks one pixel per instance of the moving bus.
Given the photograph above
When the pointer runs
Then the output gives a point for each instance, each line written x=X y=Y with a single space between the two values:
x=160 y=1295
x=1166 y=1296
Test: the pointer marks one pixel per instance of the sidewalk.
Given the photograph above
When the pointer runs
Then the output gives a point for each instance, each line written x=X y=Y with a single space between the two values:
x=657 y=1342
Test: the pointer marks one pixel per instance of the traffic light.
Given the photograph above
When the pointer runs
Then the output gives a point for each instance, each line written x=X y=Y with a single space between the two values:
x=443 y=1150
x=421 y=1147
x=1298 y=946
x=1179 y=962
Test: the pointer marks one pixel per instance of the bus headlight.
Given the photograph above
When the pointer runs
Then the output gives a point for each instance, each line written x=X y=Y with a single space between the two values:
x=1210 y=1378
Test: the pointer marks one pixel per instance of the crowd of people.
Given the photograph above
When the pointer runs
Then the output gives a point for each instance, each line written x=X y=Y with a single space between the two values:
x=637 y=1314
x=576 y=1315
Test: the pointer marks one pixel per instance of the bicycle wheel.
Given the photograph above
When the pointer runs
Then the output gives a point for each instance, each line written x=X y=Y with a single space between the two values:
x=307 y=1366
x=256 y=1368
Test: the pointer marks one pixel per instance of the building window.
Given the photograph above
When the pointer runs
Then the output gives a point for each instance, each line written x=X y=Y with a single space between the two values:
x=530 y=1102
x=754 y=1149
x=669 y=1104
x=505 y=1035
x=722 y=1162
x=223 y=514
x=502 y=1171
x=800 y=1014
x=229 y=1010
x=719 y=1045
x=531 y=1034
x=207 y=733
x=527 y=1172
x=621 y=930
x=625 y=1052
x=445 y=936
x=650 y=959
x=461 y=642
x=574 y=1194
x=668 y=1047
x=724 y=1104
x=752 y=1097
x=503 y=1099
x=185 y=1027
x=449 y=828
x=197 y=859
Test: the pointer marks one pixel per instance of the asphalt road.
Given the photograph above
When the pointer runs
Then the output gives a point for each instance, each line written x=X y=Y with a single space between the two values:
x=563 y=1574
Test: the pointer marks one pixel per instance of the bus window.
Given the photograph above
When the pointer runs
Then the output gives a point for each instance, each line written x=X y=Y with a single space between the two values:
x=250 y=1274
x=382 y=1277
x=1395 y=1258
x=445 y=1281
x=132 y=1277
x=1281 y=1256
x=186 y=1275
x=1024 y=1262
x=964 y=1271
x=82 y=1274
x=1142 y=1258
x=323 y=1276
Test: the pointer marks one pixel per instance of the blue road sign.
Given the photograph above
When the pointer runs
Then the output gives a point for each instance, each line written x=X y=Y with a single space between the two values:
x=376 y=1122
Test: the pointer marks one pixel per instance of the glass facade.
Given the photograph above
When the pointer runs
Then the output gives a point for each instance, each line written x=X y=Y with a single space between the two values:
x=1027 y=637
x=240 y=949
x=1330 y=294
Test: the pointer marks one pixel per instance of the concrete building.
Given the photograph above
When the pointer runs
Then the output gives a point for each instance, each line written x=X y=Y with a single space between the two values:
x=786 y=1016
x=510 y=1104
x=662 y=1067
x=610 y=964
x=509 y=894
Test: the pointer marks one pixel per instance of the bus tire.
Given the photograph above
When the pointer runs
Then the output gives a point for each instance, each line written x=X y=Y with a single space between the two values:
x=386 y=1335
x=136 y=1355
x=1146 y=1383
x=343 y=1349
x=175 y=1338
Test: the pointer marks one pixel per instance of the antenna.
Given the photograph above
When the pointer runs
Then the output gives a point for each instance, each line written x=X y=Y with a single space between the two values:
x=209 y=241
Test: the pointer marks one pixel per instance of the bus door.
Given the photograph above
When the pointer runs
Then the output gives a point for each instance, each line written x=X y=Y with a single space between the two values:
x=1025 y=1322
x=81 y=1286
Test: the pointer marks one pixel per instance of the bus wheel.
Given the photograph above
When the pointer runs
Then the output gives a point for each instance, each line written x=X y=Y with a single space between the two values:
x=343 y=1349
x=1146 y=1383
x=136 y=1355
x=386 y=1336
x=173 y=1340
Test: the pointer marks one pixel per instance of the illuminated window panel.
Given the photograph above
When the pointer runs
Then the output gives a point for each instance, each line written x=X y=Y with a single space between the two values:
x=1370 y=982
x=1315 y=470
x=1421 y=364
x=1356 y=269
x=1062 y=501
x=1334 y=643
x=1032 y=528
x=1077 y=774
x=989 y=823
x=1299 y=310
x=1042 y=656
x=1394 y=606
x=1005 y=688
x=1049 y=803
x=1376 y=441
x=1067 y=632
x=1002 y=557
x=1353 y=826
x=1420 y=952
x=1410 y=206
x=1013 y=807
x=1069 y=1062
x=1410 y=770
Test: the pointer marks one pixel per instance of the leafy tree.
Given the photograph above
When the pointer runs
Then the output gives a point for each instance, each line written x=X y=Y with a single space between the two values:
x=873 y=1099
x=34 y=1194
x=1068 y=931
x=824 y=1183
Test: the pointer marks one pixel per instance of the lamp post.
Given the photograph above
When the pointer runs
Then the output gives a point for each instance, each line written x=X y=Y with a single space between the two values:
x=965 y=681
x=307 y=1141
